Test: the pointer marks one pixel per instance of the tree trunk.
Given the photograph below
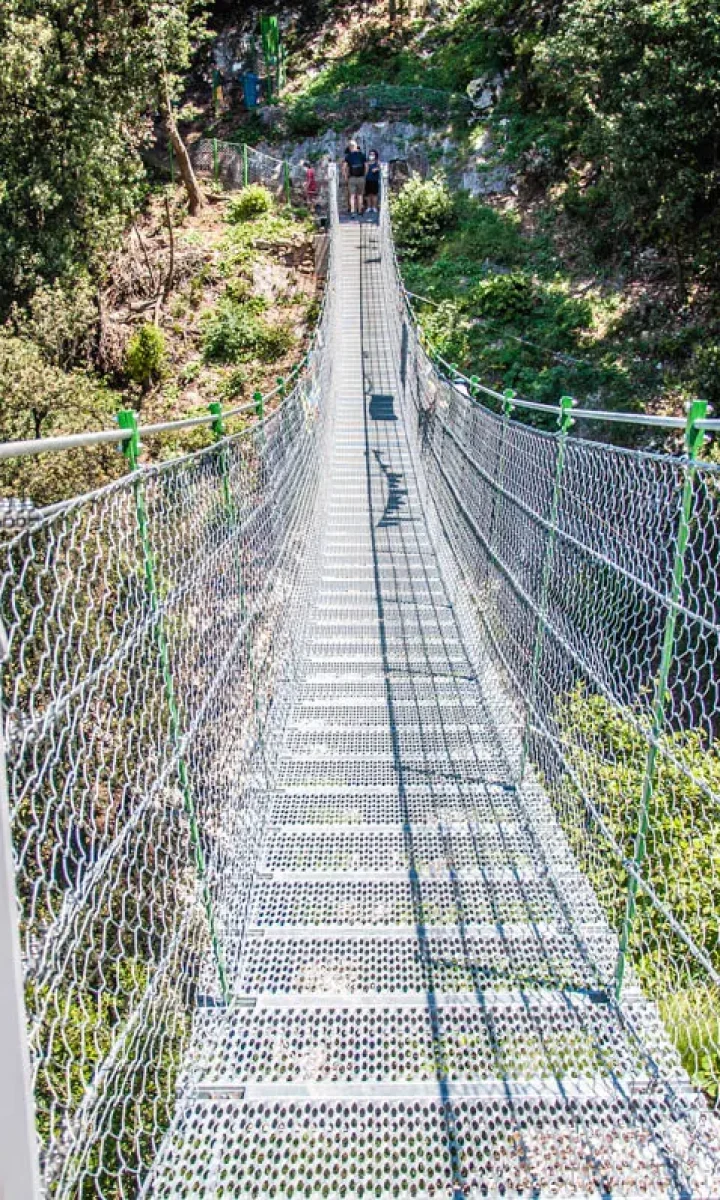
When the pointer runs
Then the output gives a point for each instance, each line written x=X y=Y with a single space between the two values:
x=680 y=280
x=192 y=187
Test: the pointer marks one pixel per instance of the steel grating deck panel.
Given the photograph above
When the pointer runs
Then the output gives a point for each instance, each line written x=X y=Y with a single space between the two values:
x=421 y=974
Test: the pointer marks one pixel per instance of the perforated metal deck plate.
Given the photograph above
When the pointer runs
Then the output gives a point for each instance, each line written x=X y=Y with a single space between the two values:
x=542 y=1145
x=422 y=978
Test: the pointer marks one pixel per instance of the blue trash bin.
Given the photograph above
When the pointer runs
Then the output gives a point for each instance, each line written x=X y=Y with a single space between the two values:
x=250 y=89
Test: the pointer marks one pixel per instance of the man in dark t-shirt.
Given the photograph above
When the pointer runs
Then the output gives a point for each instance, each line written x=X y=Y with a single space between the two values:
x=354 y=173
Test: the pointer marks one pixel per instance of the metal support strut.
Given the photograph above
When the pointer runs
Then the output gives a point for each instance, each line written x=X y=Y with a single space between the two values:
x=693 y=443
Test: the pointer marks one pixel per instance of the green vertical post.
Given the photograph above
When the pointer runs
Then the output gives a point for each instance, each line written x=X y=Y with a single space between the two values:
x=127 y=419
x=286 y=180
x=216 y=160
x=693 y=444
x=281 y=386
x=565 y=423
x=259 y=405
x=474 y=387
x=245 y=164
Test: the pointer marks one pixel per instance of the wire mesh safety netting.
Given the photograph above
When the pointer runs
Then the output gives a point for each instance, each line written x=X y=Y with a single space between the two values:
x=593 y=575
x=150 y=623
x=156 y=628
x=237 y=165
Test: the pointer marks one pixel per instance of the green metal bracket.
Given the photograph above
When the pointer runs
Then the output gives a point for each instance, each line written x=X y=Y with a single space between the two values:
x=565 y=422
x=218 y=425
x=693 y=444
x=127 y=419
x=282 y=391
x=474 y=386
x=259 y=405
x=245 y=164
x=565 y=418
x=508 y=403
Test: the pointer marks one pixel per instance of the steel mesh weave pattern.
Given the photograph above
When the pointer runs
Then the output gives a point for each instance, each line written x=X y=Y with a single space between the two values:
x=424 y=999
x=328 y=748
x=591 y=575
x=149 y=626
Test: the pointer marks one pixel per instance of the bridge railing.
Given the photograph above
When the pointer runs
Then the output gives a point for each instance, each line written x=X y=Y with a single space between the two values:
x=236 y=165
x=594 y=574
x=146 y=626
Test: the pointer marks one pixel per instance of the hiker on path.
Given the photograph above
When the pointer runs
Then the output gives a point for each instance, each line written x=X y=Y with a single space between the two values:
x=353 y=168
x=372 y=182
x=311 y=185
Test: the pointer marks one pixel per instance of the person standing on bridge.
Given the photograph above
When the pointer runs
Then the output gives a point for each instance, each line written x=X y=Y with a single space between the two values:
x=354 y=166
x=372 y=182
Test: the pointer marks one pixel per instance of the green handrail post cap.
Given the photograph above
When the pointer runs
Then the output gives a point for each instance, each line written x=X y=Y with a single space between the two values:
x=694 y=437
x=217 y=426
x=565 y=418
x=127 y=419
x=259 y=405
x=508 y=401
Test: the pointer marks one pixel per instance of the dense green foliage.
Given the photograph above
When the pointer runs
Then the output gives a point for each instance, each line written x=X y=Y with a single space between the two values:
x=237 y=332
x=145 y=355
x=608 y=754
x=77 y=82
x=422 y=211
x=499 y=307
x=252 y=202
x=640 y=84
x=38 y=398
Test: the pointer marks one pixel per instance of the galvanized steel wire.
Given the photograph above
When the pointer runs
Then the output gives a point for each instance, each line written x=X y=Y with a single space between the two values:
x=558 y=597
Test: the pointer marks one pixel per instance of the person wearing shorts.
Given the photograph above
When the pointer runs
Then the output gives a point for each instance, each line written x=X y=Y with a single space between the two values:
x=354 y=166
x=372 y=182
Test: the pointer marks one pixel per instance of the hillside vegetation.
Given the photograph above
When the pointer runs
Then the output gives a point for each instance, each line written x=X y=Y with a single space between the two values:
x=593 y=269
x=118 y=287
x=603 y=253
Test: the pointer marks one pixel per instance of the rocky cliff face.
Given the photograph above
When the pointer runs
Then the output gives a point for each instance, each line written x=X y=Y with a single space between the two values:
x=408 y=148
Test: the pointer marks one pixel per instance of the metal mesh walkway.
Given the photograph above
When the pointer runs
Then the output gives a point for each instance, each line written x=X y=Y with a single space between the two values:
x=419 y=981
x=364 y=797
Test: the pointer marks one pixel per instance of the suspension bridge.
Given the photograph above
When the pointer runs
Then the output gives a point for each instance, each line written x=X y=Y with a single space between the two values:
x=363 y=798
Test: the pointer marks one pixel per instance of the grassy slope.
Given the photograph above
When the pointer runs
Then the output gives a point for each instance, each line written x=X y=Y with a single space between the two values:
x=249 y=283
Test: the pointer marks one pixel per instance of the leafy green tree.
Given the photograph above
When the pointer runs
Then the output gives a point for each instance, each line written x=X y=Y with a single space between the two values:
x=421 y=213
x=78 y=84
x=146 y=355
x=606 y=746
x=641 y=82
x=40 y=399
